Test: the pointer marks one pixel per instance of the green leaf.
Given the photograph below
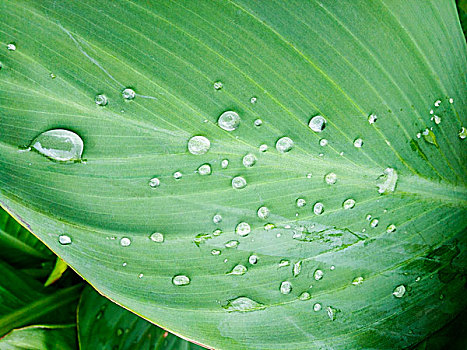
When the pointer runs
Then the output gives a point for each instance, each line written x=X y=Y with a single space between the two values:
x=105 y=325
x=57 y=272
x=40 y=338
x=135 y=81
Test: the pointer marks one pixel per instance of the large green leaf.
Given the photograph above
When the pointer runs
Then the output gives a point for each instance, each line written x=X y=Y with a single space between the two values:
x=41 y=338
x=105 y=325
x=343 y=60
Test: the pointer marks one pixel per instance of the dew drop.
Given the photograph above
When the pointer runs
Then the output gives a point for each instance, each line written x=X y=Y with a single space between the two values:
x=358 y=143
x=263 y=148
x=263 y=212
x=436 y=119
x=269 y=226
x=297 y=268
x=318 y=275
x=317 y=123
x=238 y=270
x=391 y=228
x=374 y=223
x=317 y=307
x=215 y=252
x=318 y=208
x=330 y=178
x=157 y=237
x=101 y=100
x=286 y=287
x=217 y=218
x=462 y=133
x=387 y=182
x=198 y=145
x=154 y=182
x=283 y=263
x=305 y=296
x=231 y=244
x=399 y=291
x=177 y=175
x=229 y=121
x=258 y=122
x=140 y=275
x=181 y=280
x=243 y=304
x=253 y=100
x=59 y=144
x=249 y=160
x=331 y=312
x=284 y=144
x=243 y=229
x=216 y=232
x=437 y=103
x=218 y=85
x=224 y=163
x=323 y=142
x=11 y=47
x=125 y=242
x=348 y=204
x=372 y=118
x=301 y=202
x=64 y=239
x=253 y=259
x=357 y=281
x=238 y=182
x=309 y=175
x=128 y=94
x=204 y=169
x=451 y=100
x=368 y=217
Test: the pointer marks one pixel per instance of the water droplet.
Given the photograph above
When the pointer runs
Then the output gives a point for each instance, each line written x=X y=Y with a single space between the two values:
x=399 y=291
x=284 y=144
x=59 y=144
x=317 y=307
x=301 y=202
x=332 y=268
x=436 y=119
x=101 y=100
x=332 y=312
x=391 y=228
x=387 y=182
x=357 y=281
x=372 y=118
x=317 y=123
x=368 y=217
x=140 y=275
x=318 y=208
x=418 y=279
x=358 y=143
x=238 y=270
x=204 y=169
x=451 y=100
x=253 y=100
x=217 y=218
x=305 y=296
x=238 y=182
x=297 y=268
x=125 y=242
x=286 y=287
x=323 y=142
x=198 y=145
x=263 y=148
x=181 y=280
x=216 y=252
x=309 y=175
x=263 y=212
x=429 y=136
x=128 y=94
x=231 y=244
x=437 y=103
x=348 y=203
x=216 y=232
x=330 y=178
x=463 y=133
x=283 y=263
x=258 y=122
x=11 y=47
x=157 y=237
x=243 y=229
x=253 y=259
x=52 y=76
x=154 y=182
x=177 y=175
x=229 y=121
x=243 y=304
x=269 y=226
x=124 y=264
x=64 y=239
x=374 y=222
x=249 y=160
x=432 y=111
x=218 y=85
x=318 y=275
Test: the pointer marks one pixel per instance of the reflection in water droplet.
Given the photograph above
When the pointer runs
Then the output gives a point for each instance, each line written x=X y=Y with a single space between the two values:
x=154 y=182
x=101 y=100
x=357 y=281
x=318 y=208
x=243 y=229
x=249 y=160
x=128 y=94
x=181 y=280
x=218 y=85
x=59 y=144
x=348 y=204
x=238 y=270
x=372 y=118
x=358 y=143
x=177 y=175
x=399 y=291
x=318 y=275
x=253 y=259
x=305 y=296
x=204 y=169
x=330 y=178
x=231 y=244
x=217 y=218
x=229 y=121
x=157 y=237
x=462 y=133
x=301 y=202
x=64 y=239
x=263 y=212
x=391 y=228
x=198 y=145
x=238 y=182
x=387 y=182
x=297 y=267
x=243 y=304
x=317 y=123
x=284 y=144
x=317 y=307
x=125 y=242
x=286 y=287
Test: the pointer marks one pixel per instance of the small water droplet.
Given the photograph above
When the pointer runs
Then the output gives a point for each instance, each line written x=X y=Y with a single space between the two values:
x=348 y=204
x=297 y=268
x=205 y=169
x=358 y=143
x=387 y=182
x=243 y=229
x=238 y=182
x=154 y=182
x=357 y=281
x=177 y=175
x=429 y=136
x=217 y=218
x=283 y=263
x=231 y=244
x=101 y=100
x=263 y=212
x=59 y=144
x=462 y=133
x=437 y=103
x=157 y=237
x=330 y=178
x=253 y=259
x=124 y=264
x=243 y=304
x=253 y=100
x=215 y=252
x=305 y=296
x=374 y=222
x=451 y=100
x=52 y=76
x=269 y=226
x=323 y=142
x=284 y=144
x=258 y=122
x=238 y=270
x=11 y=47
x=332 y=268
x=418 y=279
x=286 y=287
x=317 y=307
x=128 y=94
x=309 y=175
x=263 y=148
x=318 y=208
x=436 y=119
x=229 y=121
x=317 y=123
x=249 y=160
x=125 y=242
x=372 y=118
x=198 y=145
x=301 y=202
x=331 y=312
x=64 y=239
x=391 y=228
x=140 y=275
x=216 y=232
x=218 y=85
x=399 y=291
x=368 y=217
x=181 y=280
x=318 y=274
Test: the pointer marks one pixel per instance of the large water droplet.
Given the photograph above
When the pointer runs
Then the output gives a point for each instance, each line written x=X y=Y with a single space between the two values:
x=286 y=287
x=205 y=169
x=243 y=304
x=238 y=182
x=318 y=208
x=157 y=237
x=330 y=178
x=387 y=182
x=101 y=100
x=238 y=270
x=198 y=145
x=128 y=94
x=263 y=212
x=59 y=144
x=125 y=242
x=181 y=280
x=229 y=121
x=348 y=203
x=284 y=144
x=249 y=160
x=399 y=291
x=243 y=229
x=64 y=239
x=317 y=123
